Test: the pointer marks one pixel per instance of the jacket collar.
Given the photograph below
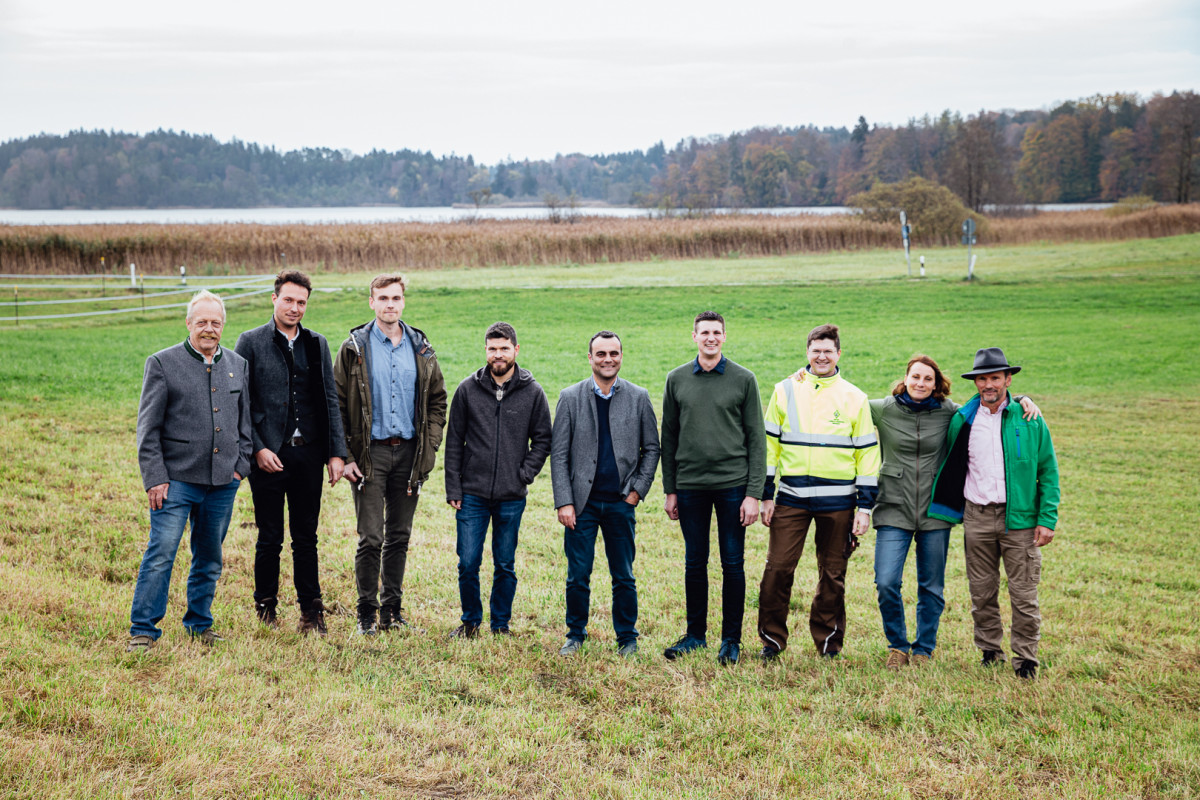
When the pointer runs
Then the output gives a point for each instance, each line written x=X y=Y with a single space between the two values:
x=196 y=354
x=819 y=382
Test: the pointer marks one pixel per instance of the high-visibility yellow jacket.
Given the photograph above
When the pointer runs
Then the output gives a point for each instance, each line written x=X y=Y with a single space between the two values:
x=822 y=445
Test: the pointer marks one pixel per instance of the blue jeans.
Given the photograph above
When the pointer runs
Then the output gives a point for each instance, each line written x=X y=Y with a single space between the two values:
x=696 y=507
x=473 y=519
x=891 y=550
x=616 y=520
x=209 y=508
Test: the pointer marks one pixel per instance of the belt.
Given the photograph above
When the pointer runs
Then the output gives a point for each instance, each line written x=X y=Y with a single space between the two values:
x=986 y=505
x=295 y=441
x=391 y=441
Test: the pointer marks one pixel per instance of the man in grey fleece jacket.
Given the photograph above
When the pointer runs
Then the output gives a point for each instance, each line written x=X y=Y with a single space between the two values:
x=194 y=445
x=497 y=439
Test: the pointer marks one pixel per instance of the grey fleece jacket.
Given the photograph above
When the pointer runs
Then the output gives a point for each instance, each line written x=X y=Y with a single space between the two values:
x=495 y=448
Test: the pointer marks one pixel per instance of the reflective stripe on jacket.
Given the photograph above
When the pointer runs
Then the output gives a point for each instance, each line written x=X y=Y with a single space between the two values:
x=822 y=444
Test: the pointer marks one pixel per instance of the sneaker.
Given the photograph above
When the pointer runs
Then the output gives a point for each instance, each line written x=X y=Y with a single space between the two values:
x=313 y=619
x=729 y=652
x=1026 y=670
x=207 y=637
x=768 y=654
x=992 y=657
x=391 y=619
x=921 y=660
x=366 y=623
x=140 y=644
x=628 y=650
x=465 y=631
x=896 y=659
x=686 y=644
x=572 y=646
x=266 y=613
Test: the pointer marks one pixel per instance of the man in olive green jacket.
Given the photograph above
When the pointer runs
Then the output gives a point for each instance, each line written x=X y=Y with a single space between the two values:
x=393 y=402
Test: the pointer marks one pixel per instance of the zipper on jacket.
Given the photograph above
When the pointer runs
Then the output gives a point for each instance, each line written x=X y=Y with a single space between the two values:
x=916 y=514
x=496 y=449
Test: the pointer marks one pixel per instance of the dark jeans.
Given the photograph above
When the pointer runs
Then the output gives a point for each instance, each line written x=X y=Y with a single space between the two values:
x=696 y=508
x=891 y=551
x=385 y=513
x=209 y=509
x=473 y=519
x=300 y=483
x=616 y=521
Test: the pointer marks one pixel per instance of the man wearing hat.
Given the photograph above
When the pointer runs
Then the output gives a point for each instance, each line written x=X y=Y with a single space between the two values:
x=1000 y=480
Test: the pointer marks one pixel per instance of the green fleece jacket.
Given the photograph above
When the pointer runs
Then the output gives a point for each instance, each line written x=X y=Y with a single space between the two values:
x=1030 y=469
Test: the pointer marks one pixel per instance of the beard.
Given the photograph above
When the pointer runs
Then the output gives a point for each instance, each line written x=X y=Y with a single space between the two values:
x=498 y=368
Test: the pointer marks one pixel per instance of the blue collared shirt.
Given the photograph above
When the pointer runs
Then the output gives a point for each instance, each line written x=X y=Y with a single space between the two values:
x=719 y=368
x=393 y=386
x=596 y=389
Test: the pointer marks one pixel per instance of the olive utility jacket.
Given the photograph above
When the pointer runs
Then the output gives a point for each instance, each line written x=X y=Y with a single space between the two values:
x=913 y=444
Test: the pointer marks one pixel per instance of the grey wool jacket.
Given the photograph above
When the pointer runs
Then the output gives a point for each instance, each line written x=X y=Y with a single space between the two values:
x=574 y=443
x=194 y=418
x=495 y=448
x=269 y=389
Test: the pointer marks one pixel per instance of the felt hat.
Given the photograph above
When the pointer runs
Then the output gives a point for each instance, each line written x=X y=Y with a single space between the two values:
x=990 y=359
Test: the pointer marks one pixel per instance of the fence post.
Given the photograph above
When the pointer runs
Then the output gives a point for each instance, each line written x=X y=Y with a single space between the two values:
x=16 y=307
x=143 y=294
x=132 y=275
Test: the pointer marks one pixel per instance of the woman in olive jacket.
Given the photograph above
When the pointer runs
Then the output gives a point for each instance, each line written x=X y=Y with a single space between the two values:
x=912 y=424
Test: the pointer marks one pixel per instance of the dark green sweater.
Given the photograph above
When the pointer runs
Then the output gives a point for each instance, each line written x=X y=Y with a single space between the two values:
x=712 y=430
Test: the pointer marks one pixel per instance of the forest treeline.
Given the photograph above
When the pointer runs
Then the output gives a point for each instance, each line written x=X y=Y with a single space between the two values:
x=1100 y=148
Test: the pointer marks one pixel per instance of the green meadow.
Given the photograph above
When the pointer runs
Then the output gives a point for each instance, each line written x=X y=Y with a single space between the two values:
x=1108 y=336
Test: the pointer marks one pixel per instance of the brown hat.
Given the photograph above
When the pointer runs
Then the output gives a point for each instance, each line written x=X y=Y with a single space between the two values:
x=990 y=359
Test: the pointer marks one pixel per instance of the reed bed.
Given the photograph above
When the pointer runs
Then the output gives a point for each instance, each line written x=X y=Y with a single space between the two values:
x=221 y=249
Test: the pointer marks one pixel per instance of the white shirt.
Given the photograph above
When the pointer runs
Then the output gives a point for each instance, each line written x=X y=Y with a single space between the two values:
x=985 y=459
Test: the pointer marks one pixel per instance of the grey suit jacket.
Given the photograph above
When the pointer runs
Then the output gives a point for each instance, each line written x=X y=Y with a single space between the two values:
x=194 y=418
x=574 y=442
x=269 y=388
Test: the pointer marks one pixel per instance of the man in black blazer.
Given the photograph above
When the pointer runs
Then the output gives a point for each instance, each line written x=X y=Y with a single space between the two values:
x=297 y=431
x=603 y=453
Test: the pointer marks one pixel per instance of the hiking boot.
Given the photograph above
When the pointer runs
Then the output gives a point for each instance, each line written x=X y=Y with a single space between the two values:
x=627 y=650
x=570 y=647
x=686 y=644
x=207 y=637
x=313 y=619
x=768 y=654
x=1026 y=670
x=366 y=623
x=390 y=619
x=896 y=659
x=921 y=660
x=729 y=653
x=992 y=657
x=266 y=612
x=465 y=631
x=140 y=644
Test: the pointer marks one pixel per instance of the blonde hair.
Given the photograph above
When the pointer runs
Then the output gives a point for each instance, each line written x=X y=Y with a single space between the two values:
x=201 y=296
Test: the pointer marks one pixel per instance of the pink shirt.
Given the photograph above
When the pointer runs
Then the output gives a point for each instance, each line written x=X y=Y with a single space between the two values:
x=985 y=459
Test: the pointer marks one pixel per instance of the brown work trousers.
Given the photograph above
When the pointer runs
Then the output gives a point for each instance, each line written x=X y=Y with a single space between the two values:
x=986 y=542
x=827 y=617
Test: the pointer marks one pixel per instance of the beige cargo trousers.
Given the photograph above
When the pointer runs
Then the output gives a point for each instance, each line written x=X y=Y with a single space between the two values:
x=987 y=542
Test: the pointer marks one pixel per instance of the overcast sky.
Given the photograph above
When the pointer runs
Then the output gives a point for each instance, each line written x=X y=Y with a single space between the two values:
x=530 y=79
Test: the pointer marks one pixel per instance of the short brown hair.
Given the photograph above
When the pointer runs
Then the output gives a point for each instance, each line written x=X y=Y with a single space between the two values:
x=603 y=335
x=704 y=316
x=387 y=279
x=825 y=332
x=501 y=330
x=292 y=276
x=941 y=384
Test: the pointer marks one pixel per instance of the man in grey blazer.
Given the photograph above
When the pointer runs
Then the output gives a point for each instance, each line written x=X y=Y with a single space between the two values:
x=194 y=445
x=603 y=453
x=297 y=431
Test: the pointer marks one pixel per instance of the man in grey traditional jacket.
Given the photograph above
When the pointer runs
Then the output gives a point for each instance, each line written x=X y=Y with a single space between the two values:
x=603 y=453
x=194 y=445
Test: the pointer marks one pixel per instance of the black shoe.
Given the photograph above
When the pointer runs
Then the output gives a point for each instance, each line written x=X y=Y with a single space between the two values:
x=313 y=619
x=366 y=623
x=729 y=652
x=1027 y=670
x=686 y=644
x=831 y=656
x=501 y=632
x=266 y=613
x=768 y=654
x=992 y=657
x=391 y=619
x=465 y=631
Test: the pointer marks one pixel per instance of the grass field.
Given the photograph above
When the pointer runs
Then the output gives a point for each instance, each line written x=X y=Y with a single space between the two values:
x=1107 y=335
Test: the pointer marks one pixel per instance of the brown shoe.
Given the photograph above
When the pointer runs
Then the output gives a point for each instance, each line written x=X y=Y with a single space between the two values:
x=465 y=631
x=265 y=610
x=921 y=660
x=140 y=644
x=896 y=659
x=313 y=620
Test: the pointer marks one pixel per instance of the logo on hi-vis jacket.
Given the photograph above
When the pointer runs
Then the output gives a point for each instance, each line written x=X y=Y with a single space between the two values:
x=837 y=419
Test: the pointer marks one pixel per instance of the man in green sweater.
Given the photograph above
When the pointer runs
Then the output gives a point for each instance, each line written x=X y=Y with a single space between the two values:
x=713 y=458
